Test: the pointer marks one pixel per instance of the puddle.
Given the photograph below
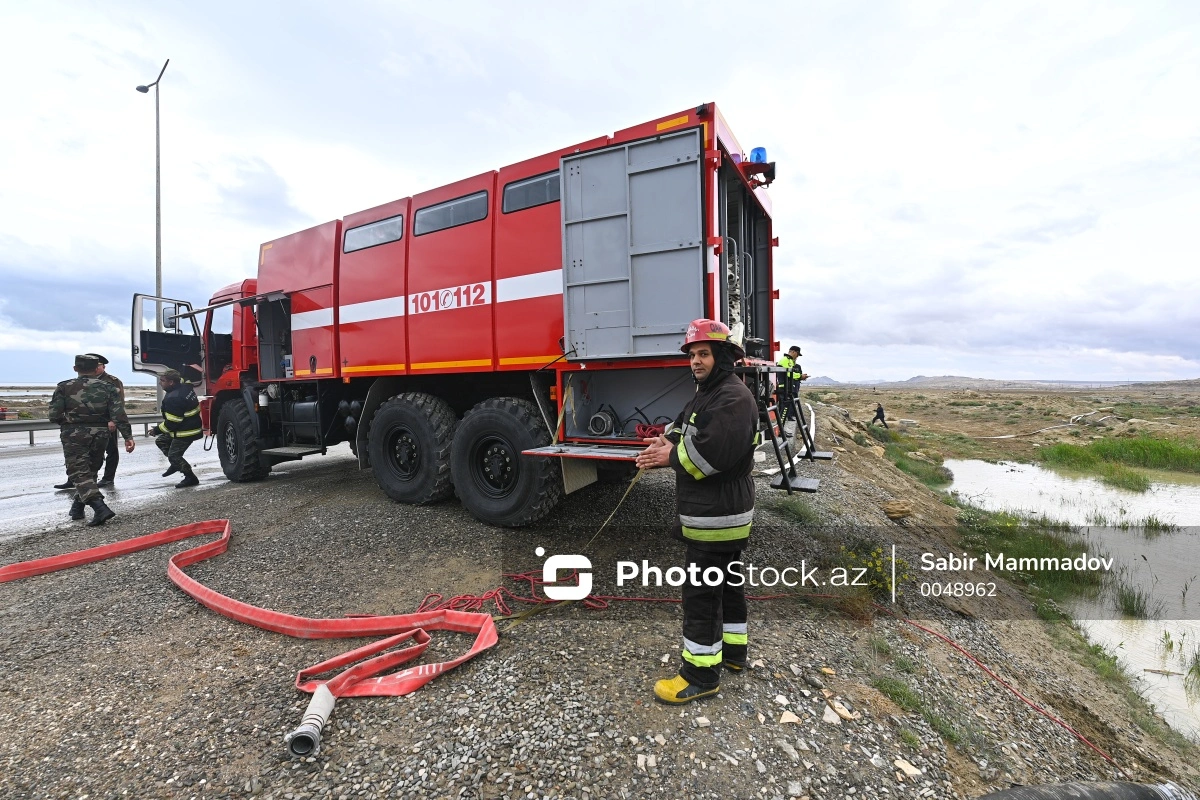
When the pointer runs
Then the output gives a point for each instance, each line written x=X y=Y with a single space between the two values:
x=1165 y=565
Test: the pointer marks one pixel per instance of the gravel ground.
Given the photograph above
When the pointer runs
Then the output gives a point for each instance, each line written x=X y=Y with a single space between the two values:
x=119 y=685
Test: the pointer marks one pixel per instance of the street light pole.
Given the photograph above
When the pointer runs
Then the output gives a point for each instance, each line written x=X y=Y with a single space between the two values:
x=157 y=211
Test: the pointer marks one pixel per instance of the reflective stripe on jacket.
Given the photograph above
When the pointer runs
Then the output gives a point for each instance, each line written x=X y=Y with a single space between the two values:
x=714 y=440
x=181 y=413
x=792 y=366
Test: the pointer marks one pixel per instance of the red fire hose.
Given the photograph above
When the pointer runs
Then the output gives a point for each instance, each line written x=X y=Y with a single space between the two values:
x=361 y=680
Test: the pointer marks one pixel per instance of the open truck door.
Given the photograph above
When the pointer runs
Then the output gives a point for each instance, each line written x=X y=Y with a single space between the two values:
x=165 y=336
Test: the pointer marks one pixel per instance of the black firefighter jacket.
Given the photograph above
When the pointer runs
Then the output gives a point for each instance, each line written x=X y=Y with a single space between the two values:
x=181 y=413
x=714 y=438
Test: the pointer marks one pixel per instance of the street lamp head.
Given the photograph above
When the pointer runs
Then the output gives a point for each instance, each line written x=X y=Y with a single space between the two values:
x=143 y=89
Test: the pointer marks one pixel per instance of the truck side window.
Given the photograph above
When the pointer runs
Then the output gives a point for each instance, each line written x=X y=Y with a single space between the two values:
x=220 y=347
x=530 y=192
x=373 y=233
x=451 y=213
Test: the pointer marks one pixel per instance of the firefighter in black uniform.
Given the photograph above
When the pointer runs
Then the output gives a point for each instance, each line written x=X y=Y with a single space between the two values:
x=180 y=426
x=711 y=449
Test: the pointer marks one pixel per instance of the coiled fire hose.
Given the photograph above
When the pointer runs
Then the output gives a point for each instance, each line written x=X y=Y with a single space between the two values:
x=362 y=679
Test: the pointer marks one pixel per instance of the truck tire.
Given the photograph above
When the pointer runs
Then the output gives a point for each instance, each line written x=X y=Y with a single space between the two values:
x=237 y=447
x=493 y=480
x=409 y=443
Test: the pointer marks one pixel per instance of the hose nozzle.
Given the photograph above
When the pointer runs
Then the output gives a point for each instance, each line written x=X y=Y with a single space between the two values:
x=306 y=740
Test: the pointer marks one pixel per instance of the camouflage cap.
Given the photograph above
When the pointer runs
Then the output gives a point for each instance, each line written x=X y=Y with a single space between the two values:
x=172 y=375
x=86 y=363
x=98 y=357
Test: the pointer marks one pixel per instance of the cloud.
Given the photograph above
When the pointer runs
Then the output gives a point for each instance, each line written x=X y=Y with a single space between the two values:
x=1054 y=229
x=258 y=195
x=942 y=204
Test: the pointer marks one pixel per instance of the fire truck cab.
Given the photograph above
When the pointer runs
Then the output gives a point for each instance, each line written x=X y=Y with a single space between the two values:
x=500 y=337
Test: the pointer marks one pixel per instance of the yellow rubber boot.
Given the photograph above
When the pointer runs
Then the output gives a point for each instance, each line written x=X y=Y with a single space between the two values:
x=677 y=691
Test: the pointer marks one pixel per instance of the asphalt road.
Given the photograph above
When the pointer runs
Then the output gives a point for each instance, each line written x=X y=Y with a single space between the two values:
x=29 y=502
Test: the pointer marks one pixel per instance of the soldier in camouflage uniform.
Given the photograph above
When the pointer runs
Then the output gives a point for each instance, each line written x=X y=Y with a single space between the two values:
x=112 y=455
x=83 y=407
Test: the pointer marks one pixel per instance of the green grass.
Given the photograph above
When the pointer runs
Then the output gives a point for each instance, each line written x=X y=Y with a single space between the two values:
x=1143 y=410
x=932 y=475
x=1123 y=477
x=1114 y=460
x=907 y=698
x=883 y=435
x=1024 y=537
x=911 y=739
x=1152 y=525
x=904 y=664
x=965 y=403
x=1134 y=601
x=796 y=510
x=899 y=693
x=944 y=727
x=1139 y=451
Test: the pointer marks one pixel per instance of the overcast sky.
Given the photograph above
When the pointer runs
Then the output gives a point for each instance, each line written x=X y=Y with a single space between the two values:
x=999 y=190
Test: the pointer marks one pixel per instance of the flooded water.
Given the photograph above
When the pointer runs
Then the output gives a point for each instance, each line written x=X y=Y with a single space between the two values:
x=1163 y=563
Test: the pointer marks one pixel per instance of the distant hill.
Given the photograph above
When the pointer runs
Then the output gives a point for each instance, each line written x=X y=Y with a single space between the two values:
x=821 y=380
x=961 y=382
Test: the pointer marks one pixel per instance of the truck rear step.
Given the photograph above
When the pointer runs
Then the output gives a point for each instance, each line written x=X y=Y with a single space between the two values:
x=291 y=453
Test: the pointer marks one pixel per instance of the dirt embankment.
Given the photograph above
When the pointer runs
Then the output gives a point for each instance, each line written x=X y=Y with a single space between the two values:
x=118 y=682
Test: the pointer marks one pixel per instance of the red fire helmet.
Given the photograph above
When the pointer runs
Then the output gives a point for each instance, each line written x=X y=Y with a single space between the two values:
x=710 y=330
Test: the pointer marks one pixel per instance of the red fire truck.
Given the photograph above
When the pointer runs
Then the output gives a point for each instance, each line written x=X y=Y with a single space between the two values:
x=498 y=338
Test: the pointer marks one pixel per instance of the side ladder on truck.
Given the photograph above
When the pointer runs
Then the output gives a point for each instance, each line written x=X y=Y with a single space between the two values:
x=769 y=415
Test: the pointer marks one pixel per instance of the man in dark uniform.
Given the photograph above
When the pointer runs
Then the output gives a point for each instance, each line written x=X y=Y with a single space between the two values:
x=711 y=449
x=83 y=408
x=180 y=426
x=112 y=455
x=878 y=415
x=789 y=383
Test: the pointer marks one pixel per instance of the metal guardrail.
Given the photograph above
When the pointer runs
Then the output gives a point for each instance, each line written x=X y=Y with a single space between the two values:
x=34 y=425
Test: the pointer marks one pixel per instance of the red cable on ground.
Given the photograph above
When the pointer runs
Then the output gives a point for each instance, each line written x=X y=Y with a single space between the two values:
x=361 y=680
x=1008 y=686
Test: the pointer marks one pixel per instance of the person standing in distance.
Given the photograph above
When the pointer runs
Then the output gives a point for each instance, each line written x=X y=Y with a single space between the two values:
x=711 y=448
x=180 y=426
x=84 y=408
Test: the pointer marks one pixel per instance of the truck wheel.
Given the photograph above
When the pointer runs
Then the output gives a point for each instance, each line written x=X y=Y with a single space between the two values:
x=236 y=445
x=409 y=444
x=495 y=482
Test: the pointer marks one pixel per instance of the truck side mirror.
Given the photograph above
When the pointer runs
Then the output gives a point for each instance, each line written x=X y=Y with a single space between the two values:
x=168 y=317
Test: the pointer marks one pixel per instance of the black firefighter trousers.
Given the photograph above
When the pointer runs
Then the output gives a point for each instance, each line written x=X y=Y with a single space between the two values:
x=714 y=617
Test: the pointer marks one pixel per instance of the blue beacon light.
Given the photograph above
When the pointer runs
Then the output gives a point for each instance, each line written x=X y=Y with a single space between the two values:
x=758 y=155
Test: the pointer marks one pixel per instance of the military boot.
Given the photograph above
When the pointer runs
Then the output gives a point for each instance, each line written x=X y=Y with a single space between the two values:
x=170 y=471
x=70 y=484
x=100 y=512
x=189 y=479
x=76 y=511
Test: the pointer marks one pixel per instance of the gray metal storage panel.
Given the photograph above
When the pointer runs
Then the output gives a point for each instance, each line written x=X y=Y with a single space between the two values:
x=633 y=255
